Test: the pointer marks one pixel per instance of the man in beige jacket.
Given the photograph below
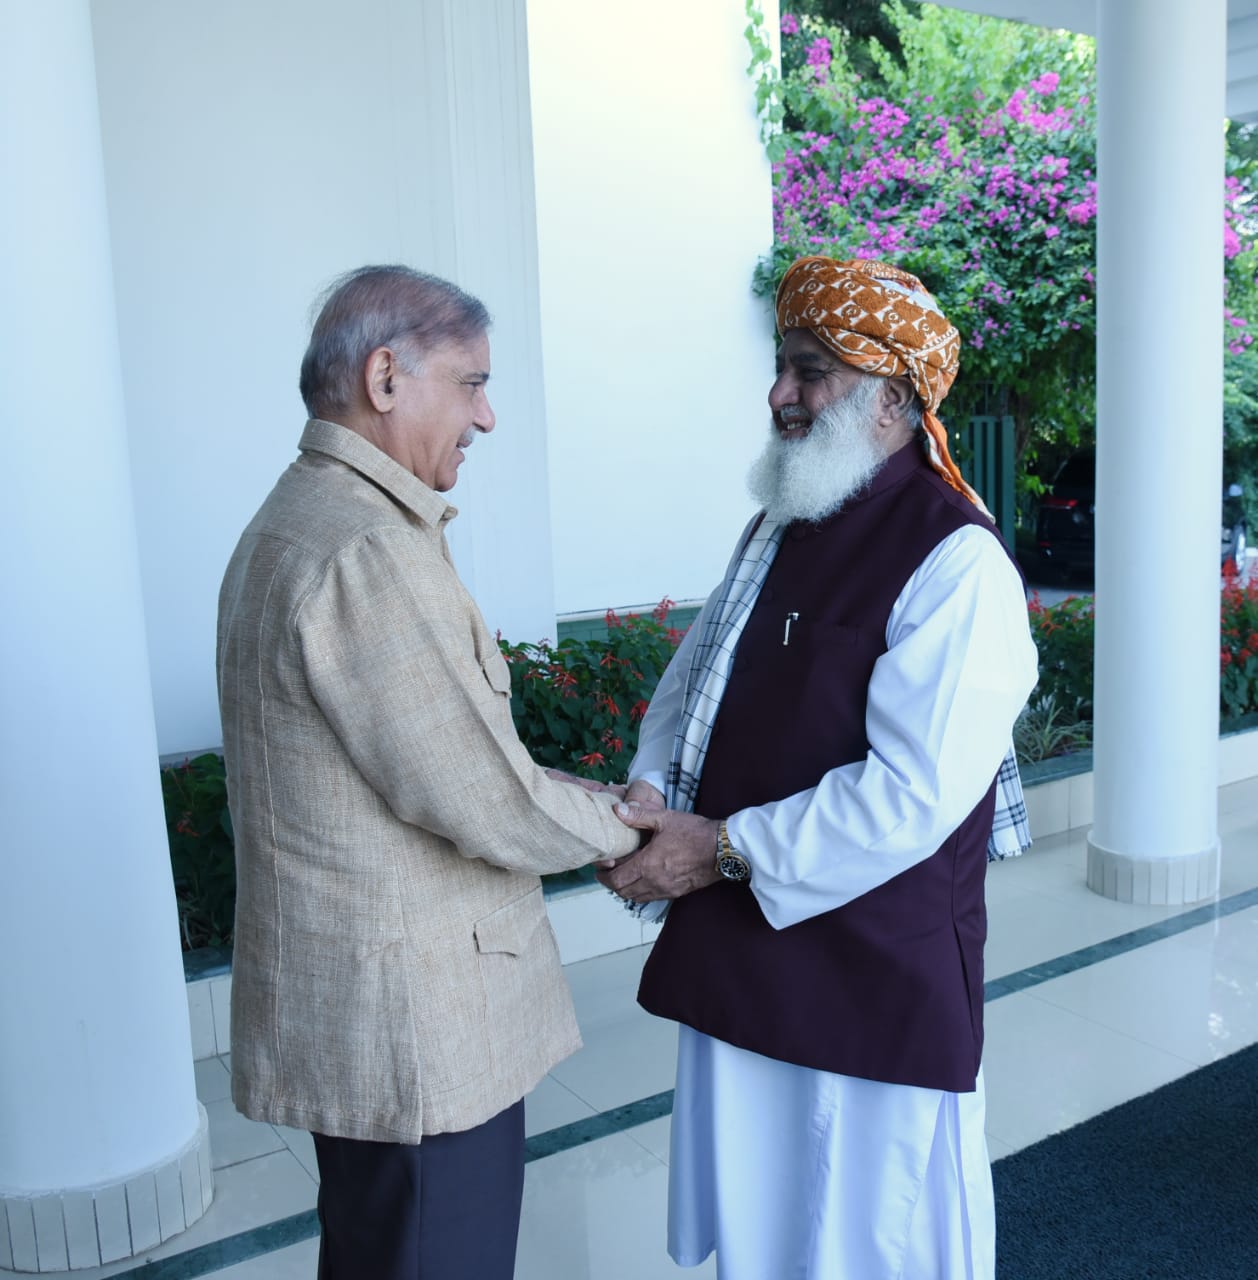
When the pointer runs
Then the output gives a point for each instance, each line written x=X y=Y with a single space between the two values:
x=396 y=986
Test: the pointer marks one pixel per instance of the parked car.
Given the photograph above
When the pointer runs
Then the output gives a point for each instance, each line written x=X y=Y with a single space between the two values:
x=1065 y=521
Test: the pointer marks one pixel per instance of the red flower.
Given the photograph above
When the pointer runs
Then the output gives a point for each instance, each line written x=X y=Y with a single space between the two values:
x=594 y=757
x=1225 y=659
x=611 y=619
x=638 y=710
x=1244 y=656
x=660 y=612
x=608 y=703
x=563 y=679
x=608 y=659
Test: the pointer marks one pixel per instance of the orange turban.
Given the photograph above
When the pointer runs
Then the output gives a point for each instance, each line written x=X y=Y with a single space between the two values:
x=883 y=321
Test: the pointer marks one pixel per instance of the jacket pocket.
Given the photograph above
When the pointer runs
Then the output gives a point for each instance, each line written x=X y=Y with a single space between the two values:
x=497 y=673
x=510 y=929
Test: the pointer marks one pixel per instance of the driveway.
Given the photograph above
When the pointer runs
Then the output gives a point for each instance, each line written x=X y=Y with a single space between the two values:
x=1054 y=590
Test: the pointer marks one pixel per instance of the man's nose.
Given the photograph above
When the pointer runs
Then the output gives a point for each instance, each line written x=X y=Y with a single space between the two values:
x=486 y=420
x=782 y=392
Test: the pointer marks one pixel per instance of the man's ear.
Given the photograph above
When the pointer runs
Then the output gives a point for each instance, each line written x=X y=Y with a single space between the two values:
x=897 y=395
x=378 y=376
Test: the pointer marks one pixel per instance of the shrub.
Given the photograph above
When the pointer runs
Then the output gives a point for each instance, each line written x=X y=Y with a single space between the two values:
x=1058 y=717
x=1042 y=731
x=578 y=705
x=202 y=853
x=1064 y=635
x=1238 y=645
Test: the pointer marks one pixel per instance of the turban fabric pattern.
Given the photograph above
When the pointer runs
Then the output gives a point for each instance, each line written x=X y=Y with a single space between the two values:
x=882 y=321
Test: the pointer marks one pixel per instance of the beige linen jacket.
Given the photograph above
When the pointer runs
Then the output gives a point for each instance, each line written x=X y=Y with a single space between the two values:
x=394 y=971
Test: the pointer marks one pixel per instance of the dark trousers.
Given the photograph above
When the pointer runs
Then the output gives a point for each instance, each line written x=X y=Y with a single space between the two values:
x=447 y=1209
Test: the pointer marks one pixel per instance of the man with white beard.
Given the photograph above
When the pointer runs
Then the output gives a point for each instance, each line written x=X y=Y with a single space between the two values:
x=825 y=771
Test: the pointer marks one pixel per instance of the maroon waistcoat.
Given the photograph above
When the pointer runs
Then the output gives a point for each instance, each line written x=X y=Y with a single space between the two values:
x=890 y=986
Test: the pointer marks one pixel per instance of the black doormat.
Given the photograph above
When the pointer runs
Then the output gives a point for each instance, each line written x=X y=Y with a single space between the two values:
x=1164 y=1187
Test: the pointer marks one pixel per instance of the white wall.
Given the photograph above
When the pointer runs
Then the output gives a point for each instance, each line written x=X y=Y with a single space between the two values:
x=253 y=151
x=653 y=205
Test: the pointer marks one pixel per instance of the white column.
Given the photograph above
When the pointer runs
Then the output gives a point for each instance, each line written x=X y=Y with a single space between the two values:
x=103 y=1149
x=1159 y=449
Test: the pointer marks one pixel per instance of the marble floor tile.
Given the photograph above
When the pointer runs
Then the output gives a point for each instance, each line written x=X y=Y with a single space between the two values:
x=234 y=1138
x=1189 y=1001
x=654 y=1136
x=598 y=1212
x=633 y=1057
x=1047 y=1068
x=301 y=1144
x=551 y=1105
x=214 y=1082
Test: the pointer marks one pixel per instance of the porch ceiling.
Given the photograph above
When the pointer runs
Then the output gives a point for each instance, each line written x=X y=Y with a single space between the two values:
x=1080 y=15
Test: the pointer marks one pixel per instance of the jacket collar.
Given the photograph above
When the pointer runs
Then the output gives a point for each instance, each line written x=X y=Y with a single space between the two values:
x=349 y=447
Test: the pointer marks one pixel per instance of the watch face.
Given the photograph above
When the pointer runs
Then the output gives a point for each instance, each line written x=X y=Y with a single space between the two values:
x=732 y=867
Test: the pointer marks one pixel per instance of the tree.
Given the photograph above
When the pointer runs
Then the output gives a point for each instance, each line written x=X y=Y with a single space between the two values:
x=869 y=30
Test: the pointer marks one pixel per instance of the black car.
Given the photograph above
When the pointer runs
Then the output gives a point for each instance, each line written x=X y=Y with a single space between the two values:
x=1065 y=527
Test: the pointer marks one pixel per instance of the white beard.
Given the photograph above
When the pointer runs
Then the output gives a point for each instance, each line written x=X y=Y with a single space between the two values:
x=810 y=478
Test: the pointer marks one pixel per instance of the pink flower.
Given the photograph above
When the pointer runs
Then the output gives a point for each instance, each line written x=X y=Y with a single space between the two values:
x=819 y=56
x=790 y=24
x=1050 y=232
x=1047 y=83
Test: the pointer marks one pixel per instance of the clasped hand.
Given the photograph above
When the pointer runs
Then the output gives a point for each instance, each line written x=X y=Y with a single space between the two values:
x=679 y=855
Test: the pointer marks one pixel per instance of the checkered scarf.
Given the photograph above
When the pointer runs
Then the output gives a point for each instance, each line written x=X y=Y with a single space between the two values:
x=709 y=673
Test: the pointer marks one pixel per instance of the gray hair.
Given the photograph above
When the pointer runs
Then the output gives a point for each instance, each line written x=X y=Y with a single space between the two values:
x=914 y=413
x=381 y=306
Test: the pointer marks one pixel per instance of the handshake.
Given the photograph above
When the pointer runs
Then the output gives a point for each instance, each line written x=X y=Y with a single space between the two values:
x=678 y=850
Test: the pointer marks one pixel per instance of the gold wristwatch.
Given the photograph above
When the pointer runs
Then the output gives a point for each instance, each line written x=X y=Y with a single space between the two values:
x=729 y=862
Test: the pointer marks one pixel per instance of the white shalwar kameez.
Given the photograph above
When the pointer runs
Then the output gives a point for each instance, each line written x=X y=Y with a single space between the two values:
x=791 y=1173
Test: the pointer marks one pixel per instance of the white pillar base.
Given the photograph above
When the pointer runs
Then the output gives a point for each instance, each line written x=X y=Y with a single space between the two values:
x=1174 y=881
x=90 y=1226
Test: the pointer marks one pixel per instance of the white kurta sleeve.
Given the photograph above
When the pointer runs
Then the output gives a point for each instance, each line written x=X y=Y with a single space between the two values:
x=942 y=700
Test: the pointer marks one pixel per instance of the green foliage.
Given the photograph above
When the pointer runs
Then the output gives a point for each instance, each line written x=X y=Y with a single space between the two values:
x=1064 y=635
x=578 y=705
x=764 y=74
x=202 y=858
x=1059 y=715
x=965 y=64
x=1043 y=730
x=1238 y=646
x=869 y=32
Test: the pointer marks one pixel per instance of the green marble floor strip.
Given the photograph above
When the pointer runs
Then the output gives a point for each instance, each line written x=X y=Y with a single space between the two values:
x=231 y=1250
x=603 y=1125
x=208 y=1258
x=1035 y=974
